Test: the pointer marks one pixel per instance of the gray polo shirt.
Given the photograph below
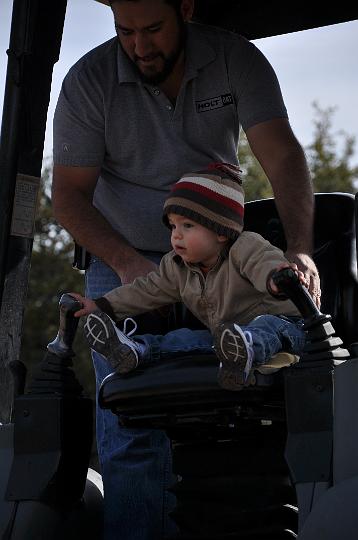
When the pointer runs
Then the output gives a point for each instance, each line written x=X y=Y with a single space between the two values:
x=106 y=116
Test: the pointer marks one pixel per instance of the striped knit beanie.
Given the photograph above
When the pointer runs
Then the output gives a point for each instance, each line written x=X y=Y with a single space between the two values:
x=213 y=197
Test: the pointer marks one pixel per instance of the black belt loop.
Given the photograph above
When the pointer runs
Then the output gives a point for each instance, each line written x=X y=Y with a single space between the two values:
x=81 y=258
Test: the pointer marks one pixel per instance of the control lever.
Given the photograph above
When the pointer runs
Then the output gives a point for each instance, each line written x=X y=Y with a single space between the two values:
x=62 y=345
x=288 y=283
x=321 y=342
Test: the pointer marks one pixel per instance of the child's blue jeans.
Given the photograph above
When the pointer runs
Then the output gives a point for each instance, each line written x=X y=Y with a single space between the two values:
x=270 y=334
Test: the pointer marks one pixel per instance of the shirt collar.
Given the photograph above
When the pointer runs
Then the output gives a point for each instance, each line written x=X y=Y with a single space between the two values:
x=126 y=72
x=198 y=54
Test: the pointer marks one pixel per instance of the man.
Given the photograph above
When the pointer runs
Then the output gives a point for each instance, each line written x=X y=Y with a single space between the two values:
x=133 y=115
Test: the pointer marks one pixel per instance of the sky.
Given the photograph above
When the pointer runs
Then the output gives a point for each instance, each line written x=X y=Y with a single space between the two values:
x=314 y=65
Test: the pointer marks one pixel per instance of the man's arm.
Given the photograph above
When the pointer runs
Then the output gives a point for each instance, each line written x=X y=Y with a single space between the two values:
x=72 y=194
x=283 y=160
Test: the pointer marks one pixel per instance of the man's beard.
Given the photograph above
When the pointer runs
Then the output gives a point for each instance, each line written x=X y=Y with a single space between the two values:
x=168 y=62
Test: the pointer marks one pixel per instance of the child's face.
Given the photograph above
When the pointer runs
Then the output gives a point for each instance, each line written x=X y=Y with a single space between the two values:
x=193 y=242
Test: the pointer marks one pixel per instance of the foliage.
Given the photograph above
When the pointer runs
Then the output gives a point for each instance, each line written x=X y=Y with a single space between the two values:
x=255 y=181
x=328 y=157
x=330 y=169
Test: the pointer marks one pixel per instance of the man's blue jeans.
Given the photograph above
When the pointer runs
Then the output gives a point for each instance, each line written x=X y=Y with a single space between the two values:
x=270 y=334
x=135 y=463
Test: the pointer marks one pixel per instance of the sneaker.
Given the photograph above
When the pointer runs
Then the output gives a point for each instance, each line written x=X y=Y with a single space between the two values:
x=105 y=338
x=233 y=347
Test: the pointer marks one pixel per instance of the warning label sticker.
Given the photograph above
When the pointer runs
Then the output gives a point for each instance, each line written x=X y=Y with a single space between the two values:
x=25 y=202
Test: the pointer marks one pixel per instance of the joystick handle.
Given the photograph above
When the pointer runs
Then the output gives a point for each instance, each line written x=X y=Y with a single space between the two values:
x=62 y=345
x=288 y=283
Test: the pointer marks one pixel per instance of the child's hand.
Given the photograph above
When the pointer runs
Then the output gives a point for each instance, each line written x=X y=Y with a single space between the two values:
x=293 y=267
x=88 y=305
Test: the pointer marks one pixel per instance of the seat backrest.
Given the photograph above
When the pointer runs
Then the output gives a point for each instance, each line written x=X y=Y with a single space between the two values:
x=334 y=253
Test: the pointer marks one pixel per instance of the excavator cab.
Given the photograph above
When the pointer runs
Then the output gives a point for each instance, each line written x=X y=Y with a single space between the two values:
x=274 y=461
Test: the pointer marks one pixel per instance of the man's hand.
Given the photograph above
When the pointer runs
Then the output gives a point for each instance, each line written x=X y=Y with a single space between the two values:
x=309 y=269
x=273 y=287
x=136 y=266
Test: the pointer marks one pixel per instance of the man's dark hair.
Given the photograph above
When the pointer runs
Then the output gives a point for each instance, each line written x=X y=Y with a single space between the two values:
x=176 y=4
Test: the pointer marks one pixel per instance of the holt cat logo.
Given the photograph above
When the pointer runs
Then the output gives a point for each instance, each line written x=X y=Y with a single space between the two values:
x=213 y=103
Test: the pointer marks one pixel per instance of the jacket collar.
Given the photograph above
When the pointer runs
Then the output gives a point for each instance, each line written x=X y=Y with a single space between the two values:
x=179 y=261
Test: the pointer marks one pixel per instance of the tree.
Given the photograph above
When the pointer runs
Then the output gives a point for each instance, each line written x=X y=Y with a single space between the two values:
x=330 y=169
x=330 y=166
x=255 y=181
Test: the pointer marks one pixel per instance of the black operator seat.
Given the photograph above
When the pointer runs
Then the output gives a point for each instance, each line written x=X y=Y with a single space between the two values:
x=186 y=388
x=334 y=253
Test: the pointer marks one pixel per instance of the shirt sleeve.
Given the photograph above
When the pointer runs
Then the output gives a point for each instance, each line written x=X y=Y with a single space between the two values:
x=255 y=258
x=78 y=126
x=157 y=289
x=254 y=85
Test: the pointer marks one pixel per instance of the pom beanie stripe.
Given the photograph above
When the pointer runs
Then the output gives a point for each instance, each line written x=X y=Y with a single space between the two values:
x=208 y=199
x=221 y=189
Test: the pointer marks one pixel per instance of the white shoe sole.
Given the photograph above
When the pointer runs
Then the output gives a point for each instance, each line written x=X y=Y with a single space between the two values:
x=104 y=338
x=231 y=349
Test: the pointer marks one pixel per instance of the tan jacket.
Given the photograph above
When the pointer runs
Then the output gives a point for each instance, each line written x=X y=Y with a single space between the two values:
x=234 y=289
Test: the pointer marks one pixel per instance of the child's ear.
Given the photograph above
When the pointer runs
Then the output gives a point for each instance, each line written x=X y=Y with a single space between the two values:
x=222 y=239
